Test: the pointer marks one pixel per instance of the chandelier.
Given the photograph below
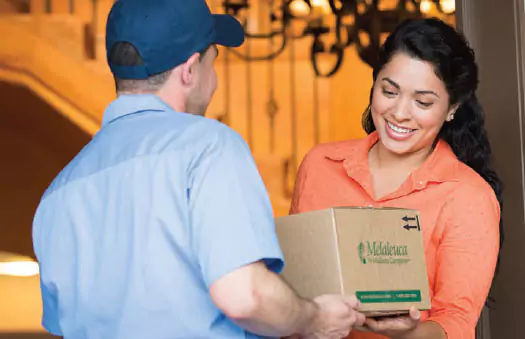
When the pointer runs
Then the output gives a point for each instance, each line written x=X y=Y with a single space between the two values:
x=332 y=25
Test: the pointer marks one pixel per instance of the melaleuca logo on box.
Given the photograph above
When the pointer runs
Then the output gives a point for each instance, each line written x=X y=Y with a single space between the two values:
x=382 y=252
x=362 y=255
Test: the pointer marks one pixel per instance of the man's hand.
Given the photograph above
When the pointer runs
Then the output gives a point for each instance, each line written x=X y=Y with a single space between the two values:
x=395 y=327
x=335 y=318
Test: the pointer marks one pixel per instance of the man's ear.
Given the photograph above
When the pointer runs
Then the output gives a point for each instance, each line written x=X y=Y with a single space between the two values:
x=189 y=69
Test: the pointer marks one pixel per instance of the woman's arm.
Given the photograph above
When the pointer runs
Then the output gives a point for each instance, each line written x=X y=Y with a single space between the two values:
x=465 y=259
x=406 y=327
x=427 y=330
x=466 y=256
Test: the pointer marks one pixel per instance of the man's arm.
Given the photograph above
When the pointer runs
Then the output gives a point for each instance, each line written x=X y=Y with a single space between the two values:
x=234 y=241
x=259 y=301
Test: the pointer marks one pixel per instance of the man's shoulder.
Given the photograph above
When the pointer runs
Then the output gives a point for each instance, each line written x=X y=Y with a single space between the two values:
x=209 y=133
x=164 y=132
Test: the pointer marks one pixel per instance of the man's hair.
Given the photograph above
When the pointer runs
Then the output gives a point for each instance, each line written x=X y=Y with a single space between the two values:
x=125 y=54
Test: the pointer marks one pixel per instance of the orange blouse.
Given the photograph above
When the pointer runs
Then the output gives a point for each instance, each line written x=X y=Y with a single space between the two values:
x=459 y=218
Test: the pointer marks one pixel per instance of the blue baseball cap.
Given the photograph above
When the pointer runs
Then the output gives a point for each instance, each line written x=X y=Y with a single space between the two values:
x=166 y=33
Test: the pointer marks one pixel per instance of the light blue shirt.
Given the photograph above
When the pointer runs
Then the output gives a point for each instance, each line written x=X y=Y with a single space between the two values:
x=132 y=233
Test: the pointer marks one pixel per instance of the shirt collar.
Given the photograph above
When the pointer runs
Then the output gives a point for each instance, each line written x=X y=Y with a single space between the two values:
x=440 y=166
x=133 y=103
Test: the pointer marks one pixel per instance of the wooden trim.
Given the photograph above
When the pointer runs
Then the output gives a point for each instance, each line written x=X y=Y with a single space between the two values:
x=519 y=13
x=465 y=16
x=464 y=23
x=495 y=31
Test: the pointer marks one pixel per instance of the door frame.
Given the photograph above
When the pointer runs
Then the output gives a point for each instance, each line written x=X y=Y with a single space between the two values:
x=495 y=29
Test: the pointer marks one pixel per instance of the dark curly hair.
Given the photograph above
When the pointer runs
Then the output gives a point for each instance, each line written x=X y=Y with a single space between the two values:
x=436 y=42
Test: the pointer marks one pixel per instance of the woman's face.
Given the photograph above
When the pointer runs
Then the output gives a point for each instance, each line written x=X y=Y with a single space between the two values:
x=409 y=105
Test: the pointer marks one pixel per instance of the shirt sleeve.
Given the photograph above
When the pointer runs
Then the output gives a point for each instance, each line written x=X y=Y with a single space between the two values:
x=50 y=316
x=50 y=312
x=465 y=261
x=231 y=215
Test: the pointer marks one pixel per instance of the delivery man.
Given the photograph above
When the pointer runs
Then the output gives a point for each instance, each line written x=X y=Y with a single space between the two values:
x=161 y=226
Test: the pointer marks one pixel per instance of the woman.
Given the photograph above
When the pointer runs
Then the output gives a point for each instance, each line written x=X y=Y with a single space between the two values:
x=427 y=149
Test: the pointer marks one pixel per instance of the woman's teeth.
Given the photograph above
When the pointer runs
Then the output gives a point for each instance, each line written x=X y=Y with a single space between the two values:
x=399 y=129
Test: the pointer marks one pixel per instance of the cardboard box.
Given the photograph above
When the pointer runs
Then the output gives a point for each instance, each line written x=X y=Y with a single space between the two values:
x=375 y=253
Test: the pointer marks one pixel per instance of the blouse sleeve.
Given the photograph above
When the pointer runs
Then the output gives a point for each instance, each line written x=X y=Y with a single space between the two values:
x=300 y=183
x=465 y=260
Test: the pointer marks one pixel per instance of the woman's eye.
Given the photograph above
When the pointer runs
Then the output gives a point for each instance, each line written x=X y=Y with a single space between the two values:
x=388 y=93
x=424 y=104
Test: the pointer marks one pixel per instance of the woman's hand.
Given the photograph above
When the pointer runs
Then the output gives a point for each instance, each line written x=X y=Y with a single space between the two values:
x=395 y=327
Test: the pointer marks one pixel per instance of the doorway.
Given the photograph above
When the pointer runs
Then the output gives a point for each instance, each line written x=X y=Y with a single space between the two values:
x=495 y=31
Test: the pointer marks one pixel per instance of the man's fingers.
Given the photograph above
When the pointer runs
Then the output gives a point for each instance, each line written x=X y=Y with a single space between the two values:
x=352 y=301
x=360 y=319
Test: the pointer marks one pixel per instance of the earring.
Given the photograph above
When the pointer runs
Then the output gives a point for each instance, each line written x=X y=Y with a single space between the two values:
x=451 y=117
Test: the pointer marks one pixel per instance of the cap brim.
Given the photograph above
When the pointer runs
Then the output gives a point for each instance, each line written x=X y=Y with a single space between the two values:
x=228 y=31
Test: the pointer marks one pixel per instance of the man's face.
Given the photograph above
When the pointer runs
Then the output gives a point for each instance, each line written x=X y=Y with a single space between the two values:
x=206 y=83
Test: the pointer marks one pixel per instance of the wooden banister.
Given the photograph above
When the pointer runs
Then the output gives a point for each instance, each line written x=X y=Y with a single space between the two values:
x=101 y=14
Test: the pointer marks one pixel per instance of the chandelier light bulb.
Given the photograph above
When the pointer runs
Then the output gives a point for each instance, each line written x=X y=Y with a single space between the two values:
x=425 y=6
x=448 y=6
x=299 y=8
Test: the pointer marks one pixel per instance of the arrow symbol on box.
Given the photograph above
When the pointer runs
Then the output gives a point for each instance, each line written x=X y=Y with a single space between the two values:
x=406 y=219
x=408 y=227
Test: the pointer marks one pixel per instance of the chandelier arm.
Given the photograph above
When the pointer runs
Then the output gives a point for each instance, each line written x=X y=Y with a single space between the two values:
x=346 y=6
x=333 y=7
x=270 y=56
x=350 y=32
x=372 y=20
x=339 y=52
x=263 y=36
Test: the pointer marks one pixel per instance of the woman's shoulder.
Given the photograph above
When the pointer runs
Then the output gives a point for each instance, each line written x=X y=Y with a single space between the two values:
x=473 y=187
x=470 y=179
x=337 y=150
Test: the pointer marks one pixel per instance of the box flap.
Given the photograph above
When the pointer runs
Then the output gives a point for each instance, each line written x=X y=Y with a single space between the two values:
x=309 y=247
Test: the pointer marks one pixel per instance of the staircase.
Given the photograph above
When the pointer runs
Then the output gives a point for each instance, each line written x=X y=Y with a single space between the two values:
x=56 y=49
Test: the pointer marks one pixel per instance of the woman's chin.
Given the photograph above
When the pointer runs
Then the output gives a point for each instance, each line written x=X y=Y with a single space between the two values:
x=397 y=147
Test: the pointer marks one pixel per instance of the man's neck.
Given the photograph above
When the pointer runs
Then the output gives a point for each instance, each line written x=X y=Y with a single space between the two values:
x=174 y=101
